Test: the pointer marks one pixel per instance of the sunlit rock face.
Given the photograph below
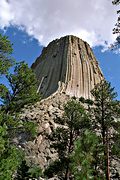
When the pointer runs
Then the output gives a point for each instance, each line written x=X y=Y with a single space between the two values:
x=67 y=65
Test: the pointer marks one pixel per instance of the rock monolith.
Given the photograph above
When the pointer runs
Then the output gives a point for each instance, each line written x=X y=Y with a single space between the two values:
x=67 y=65
x=66 y=68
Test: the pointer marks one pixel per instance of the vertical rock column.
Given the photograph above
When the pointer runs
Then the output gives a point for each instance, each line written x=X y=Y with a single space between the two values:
x=67 y=64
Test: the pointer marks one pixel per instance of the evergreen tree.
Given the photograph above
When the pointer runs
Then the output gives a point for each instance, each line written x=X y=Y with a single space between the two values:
x=87 y=142
x=22 y=90
x=26 y=172
x=73 y=124
x=106 y=112
x=85 y=156
x=6 y=61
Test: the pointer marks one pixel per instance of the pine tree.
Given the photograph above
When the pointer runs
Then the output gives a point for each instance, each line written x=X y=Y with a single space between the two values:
x=21 y=90
x=26 y=172
x=73 y=124
x=85 y=156
x=106 y=111
x=6 y=61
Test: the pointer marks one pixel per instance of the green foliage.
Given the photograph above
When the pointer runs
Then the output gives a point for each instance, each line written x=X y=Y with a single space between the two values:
x=73 y=124
x=30 y=128
x=83 y=158
x=9 y=162
x=5 y=51
x=87 y=101
x=22 y=90
x=106 y=108
x=22 y=171
x=3 y=93
x=35 y=171
x=10 y=155
x=106 y=111
x=25 y=172
x=74 y=115
x=115 y=148
x=56 y=167
x=3 y=133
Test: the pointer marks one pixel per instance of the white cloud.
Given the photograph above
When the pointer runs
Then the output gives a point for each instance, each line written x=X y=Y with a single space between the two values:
x=45 y=20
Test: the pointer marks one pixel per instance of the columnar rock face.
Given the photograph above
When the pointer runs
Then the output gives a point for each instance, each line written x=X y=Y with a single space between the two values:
x=67 y=65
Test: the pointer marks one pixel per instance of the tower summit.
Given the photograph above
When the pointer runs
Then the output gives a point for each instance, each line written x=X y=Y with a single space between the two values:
x=67 y=65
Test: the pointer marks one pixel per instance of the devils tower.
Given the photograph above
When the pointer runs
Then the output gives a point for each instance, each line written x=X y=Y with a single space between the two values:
x=67 y=65
x=66 y=68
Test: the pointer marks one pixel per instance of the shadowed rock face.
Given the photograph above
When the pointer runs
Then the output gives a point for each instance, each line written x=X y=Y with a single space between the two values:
x=67 y=65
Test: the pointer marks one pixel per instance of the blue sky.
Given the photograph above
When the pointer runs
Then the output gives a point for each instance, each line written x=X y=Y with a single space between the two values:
x=25 y=47
x=32 y=24
x=110 y=66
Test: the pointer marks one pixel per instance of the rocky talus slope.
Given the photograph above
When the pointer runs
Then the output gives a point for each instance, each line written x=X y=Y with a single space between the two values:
x=44 y=113
x=67 y=65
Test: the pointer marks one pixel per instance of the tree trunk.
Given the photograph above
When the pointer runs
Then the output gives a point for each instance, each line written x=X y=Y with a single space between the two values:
x=105 y=143
x=67 y=174
x=107 y=159
x=106 y=156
